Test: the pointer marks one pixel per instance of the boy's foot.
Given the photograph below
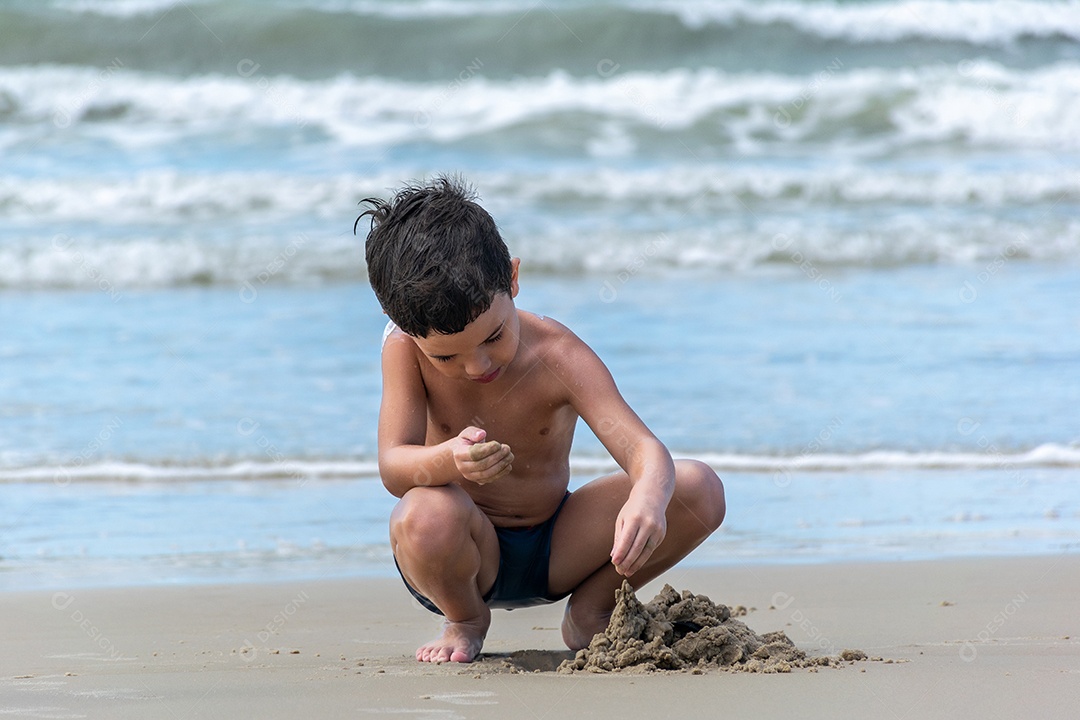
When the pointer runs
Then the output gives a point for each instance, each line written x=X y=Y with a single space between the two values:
x=580 y=624
x=459 y=642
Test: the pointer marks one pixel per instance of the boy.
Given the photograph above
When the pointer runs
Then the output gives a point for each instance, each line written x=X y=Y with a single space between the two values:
x=479 y=405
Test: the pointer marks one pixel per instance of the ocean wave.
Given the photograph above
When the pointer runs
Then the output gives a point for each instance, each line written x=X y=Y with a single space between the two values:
x=971 y=21
x=436 y=38
x=285 y=469
x=237 y=252
x=249 y=262
x=974 y=21
x=973 y=103
x=171 y=196
x=301 y=470
x=1047 y=455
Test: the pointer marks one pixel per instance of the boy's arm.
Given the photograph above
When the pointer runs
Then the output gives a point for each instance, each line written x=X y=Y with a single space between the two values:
x=642 y=524
x=405 y=461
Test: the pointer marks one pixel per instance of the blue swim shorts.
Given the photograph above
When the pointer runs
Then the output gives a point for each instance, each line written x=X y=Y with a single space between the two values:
x=522 y=580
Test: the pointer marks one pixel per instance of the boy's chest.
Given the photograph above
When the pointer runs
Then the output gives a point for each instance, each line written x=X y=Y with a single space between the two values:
x=508 y=416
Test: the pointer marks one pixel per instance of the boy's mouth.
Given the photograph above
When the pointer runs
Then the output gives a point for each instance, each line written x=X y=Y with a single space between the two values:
x=489 y=377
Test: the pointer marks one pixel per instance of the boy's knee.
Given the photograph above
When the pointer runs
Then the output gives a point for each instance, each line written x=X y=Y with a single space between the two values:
x=429 y=518
x=704 y=491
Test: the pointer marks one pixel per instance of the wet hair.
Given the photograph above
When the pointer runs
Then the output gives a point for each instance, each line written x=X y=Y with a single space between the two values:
x=435 y=257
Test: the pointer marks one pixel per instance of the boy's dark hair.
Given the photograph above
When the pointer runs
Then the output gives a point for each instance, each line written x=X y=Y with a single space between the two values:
x=435 y=258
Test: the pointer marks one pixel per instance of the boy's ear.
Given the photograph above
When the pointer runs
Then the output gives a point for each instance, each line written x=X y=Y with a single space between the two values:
x=514 y=263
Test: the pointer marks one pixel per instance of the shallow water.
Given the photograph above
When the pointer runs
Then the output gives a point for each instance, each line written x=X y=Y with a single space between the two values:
x=830 y=248
x=110 y=533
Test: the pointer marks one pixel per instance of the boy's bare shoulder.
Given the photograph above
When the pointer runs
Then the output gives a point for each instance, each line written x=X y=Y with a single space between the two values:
x=547 y=334
x=558 y=345
x=393 y=334
x=398 y=345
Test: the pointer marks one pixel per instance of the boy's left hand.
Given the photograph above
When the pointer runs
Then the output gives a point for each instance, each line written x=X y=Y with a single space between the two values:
x=639 y=530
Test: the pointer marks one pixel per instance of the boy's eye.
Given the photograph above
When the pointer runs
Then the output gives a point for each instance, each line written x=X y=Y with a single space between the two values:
x=448 y=358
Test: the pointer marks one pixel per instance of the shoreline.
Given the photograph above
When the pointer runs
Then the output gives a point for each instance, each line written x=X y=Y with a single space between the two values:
x=970 y=636
x=89 y=535
x=386 y=572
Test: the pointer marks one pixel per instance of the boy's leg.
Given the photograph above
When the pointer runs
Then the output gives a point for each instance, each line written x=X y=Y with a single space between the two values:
x=447 y=551
x=585 y=532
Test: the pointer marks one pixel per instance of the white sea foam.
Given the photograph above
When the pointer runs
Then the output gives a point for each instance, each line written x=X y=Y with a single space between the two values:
x=163 y=228
x=398 y=9
x=300 y=470
x=973 y=102
x=248 y=262
x=974 y=21
x=1044 y=456
x=1047 y=455
x=251 y=261
x=159 y=227
x=164 y=196
x=285 y=469
x=122 y=8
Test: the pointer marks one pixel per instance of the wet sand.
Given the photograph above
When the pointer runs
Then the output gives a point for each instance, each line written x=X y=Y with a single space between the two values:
x=988 y=637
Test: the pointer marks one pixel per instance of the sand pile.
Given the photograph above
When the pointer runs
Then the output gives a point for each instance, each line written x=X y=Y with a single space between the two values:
x=683 y=631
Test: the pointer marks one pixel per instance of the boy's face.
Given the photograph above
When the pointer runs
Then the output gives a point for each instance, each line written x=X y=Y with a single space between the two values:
x=485 y=348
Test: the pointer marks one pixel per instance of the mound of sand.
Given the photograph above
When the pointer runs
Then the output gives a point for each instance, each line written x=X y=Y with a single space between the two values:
x=684 y=631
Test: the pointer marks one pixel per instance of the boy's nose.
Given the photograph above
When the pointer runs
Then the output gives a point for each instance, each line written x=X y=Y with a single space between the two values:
x=478 y=366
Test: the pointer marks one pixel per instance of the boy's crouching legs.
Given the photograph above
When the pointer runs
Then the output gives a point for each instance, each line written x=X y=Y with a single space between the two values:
x=697 y=508
x=700 y=496
x=447 y=551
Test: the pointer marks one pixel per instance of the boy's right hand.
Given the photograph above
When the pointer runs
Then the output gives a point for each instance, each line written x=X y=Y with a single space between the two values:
x=478 y=461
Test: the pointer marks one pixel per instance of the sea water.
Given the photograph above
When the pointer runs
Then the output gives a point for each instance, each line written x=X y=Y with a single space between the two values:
x=829 y=248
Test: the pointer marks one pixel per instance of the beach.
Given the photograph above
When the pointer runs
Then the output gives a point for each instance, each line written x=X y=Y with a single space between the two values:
x=986 y=637
x=829 y=248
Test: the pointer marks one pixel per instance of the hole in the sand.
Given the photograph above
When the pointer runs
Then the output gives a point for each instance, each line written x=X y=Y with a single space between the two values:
x=682 y=628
